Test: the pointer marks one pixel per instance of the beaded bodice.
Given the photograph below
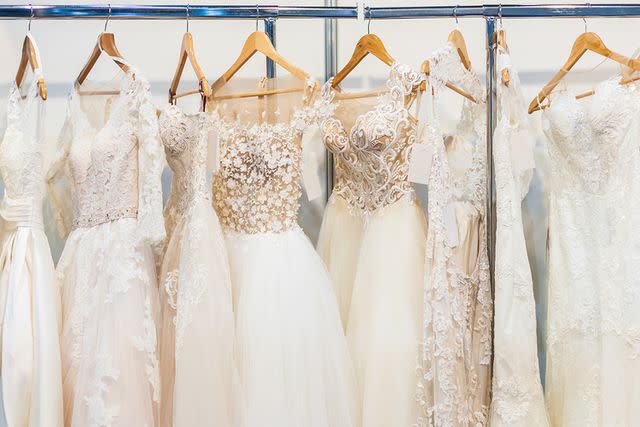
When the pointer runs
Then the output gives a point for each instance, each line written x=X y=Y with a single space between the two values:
x=185 y=144
x=257 y=186
x=372 y=155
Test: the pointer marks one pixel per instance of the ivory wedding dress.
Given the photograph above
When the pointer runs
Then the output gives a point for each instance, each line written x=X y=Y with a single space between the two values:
x=455 y=368
x=111 y=151
x=518 y=399
x=30 y=378
x=293 y=358
x=372 y=241
x=593 y=337
x=197 y=366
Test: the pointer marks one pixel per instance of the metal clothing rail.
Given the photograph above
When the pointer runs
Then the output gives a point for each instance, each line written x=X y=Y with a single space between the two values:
x=330 y=12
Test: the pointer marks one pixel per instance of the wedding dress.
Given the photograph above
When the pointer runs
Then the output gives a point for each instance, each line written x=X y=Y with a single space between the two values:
x=372 y=240
x=593 y=337
x=197 y=367
x=293 y=358
x=518 y=398
x=455 y=368
x=30 y=376
x=111 y=151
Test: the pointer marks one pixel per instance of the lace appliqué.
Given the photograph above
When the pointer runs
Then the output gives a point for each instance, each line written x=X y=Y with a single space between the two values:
x=147 y=343
x=99 y=414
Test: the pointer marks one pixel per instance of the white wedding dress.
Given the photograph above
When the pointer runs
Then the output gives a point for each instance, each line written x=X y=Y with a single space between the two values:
x=111 y=151
x=593 y=337
x=30 y=377
x=197 y=365
x=518 y=399
x=293 y=358
x=373 y=238
x=455 y=368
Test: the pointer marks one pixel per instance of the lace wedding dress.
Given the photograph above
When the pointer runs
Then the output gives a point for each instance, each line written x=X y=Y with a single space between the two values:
x=30 y=377
x=372 y=241
x=197 y=367
x=593 y=337
x=293 y=358
x=455 y=368
x=518 y=398
x=111 y=151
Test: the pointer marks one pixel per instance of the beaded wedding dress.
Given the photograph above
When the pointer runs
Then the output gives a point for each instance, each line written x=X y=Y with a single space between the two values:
x=454 y=384
x=518 y=399
x=30 y=378
x=111 y=152
x=293 y=358
x=197 y=366
x=593 y=337
x=372 y=241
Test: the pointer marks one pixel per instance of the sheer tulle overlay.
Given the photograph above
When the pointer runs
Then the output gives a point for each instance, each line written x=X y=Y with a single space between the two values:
x=108 y=167
x=593 y=337
x=30 y=377
x=372 y=240
x=197 y=366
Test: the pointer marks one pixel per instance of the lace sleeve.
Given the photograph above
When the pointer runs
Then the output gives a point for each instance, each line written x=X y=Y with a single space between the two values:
x=150 y=165
x=59 y=182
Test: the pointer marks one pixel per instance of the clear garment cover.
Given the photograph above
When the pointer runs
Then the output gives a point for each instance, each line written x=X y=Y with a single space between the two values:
x=454 y=384
x=517 y=398
x=293 y=359
x=30 y=377
x=106 y=193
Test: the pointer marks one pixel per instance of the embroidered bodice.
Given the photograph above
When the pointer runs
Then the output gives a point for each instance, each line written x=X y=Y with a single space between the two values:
x=21 y=156
x=257 y=186
x=113 y=157
x=372 y=154
x=185 y=144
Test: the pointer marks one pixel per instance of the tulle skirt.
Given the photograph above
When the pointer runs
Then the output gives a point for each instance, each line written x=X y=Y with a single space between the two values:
x=199 y=377
x=30 y=378
x=110 y=308
x=293 y=357
x=377 y=266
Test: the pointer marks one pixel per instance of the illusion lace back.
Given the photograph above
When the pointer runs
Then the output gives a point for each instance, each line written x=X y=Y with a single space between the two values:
x=518 y=399
x=30 y=377
x=593 y=337
x=372 y=240
x=109 y=165
x=197 y=366
x=455 y=368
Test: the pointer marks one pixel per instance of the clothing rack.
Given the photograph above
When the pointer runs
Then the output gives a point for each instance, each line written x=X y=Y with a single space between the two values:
x=271 y=13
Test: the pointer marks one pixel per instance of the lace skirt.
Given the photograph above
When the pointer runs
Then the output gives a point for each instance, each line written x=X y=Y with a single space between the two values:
x=293 y=357
x=110 y=312
x=377 y=266
x=30 y=381
x=197 y=365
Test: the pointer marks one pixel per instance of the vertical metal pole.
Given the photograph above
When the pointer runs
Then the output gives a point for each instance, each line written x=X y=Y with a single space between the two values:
x=330 y=69
x=491 y=115
x=270 y=29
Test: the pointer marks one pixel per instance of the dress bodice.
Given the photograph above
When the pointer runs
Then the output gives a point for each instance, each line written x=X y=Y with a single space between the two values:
x=257 y=186
x=185 y=144
x=372 y=155
x=21 y=156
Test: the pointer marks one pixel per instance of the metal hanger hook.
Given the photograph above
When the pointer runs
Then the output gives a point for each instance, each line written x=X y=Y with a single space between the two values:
x=369 y=24
x=455 y=14
x=257 y=15
x=30 y=17
x=106 y=22
x=585 y=24
x=188 y=6
x=500 y=15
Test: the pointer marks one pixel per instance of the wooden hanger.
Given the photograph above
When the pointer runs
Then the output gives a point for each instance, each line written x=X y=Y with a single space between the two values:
x=187 y=52
x=587 y=41
x=368 y=44
x=457 y=40
x=502 y=42
x=106 y=43
x=258 y=41
x=30 y=57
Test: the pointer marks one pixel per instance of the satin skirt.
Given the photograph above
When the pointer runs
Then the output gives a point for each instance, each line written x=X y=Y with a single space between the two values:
x=29 y=329
x=376 y=262
x=293 y=357
x=110 y=367
x=199 y=375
